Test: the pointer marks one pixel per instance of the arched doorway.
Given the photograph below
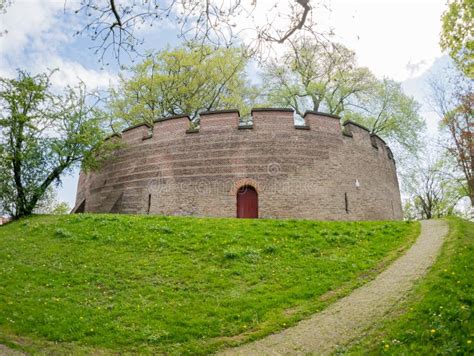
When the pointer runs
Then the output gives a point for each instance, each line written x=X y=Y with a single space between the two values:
x=247 y=202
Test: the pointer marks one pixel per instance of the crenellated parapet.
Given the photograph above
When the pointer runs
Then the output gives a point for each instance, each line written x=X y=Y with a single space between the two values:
x=323 y=169
x=271 y=120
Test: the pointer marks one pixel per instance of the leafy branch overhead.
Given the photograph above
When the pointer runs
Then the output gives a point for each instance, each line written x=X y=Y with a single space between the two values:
x=457 y=35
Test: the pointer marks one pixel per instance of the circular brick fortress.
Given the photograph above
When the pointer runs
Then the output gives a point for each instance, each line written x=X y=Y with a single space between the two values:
x=317 y=171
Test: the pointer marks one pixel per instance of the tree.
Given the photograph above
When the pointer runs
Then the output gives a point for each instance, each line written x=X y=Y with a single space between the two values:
x=433 y=193
x=389 y=113
x=42 y=136
x=457 y=35
x=453 y=100
x=118 y=27
x=460 y=126
x=49 y=204
x=184 y=80
x=314 y=75
x=61 y=208
x=322 y=76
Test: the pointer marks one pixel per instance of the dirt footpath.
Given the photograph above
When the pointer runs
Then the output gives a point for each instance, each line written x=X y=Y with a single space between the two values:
x=349 y=317
x=5 y=351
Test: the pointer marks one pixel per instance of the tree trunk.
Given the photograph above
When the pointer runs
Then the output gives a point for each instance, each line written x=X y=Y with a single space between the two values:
x=471 y=213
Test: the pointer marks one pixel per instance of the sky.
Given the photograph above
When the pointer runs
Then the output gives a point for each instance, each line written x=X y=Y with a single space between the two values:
x=394 y=39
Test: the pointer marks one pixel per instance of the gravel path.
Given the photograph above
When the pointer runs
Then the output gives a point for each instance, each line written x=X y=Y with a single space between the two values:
x=5 y=351
x=349 y=317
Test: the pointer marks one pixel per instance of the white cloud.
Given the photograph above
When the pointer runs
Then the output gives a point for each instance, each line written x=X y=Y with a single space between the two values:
x=37 y=33
x=94 y=79
x=398 y=39
x=24 y=20
x=70 y=73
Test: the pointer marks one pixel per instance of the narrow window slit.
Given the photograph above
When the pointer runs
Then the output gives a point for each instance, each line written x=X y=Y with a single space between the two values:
x=149 y=204
x=346 y=201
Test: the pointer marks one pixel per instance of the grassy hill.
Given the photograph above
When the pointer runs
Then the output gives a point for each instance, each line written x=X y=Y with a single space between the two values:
x=169 y=284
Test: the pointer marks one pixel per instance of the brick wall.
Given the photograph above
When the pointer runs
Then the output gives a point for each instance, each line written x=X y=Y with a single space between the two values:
x=310 y=172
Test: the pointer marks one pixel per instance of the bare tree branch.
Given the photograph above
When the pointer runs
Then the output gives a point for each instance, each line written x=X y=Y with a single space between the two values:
x=116 y=26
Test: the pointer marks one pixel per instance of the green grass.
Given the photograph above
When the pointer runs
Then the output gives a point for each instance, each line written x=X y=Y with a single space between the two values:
x=438 y=317
x=177 y=285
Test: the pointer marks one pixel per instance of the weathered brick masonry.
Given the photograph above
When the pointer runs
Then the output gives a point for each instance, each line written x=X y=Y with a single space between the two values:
x=317 y=171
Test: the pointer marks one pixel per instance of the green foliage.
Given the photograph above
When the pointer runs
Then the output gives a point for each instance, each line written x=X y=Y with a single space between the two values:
x=49 y=204
x=433 y=190
x=323 y=76
x=389 y=113
x=143 y=284
x=438 y=318
x=183 y=80
x=61 y=208
x=42 y=136
x=315 y=75
x=457 y=35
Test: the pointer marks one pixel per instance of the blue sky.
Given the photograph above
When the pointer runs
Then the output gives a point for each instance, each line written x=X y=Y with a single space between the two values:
x=395 y=39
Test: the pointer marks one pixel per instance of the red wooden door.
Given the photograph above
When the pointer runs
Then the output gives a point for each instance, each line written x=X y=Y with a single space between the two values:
x=247 y=203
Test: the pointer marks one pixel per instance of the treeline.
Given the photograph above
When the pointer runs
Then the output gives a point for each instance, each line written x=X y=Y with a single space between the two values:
x=311 y=75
